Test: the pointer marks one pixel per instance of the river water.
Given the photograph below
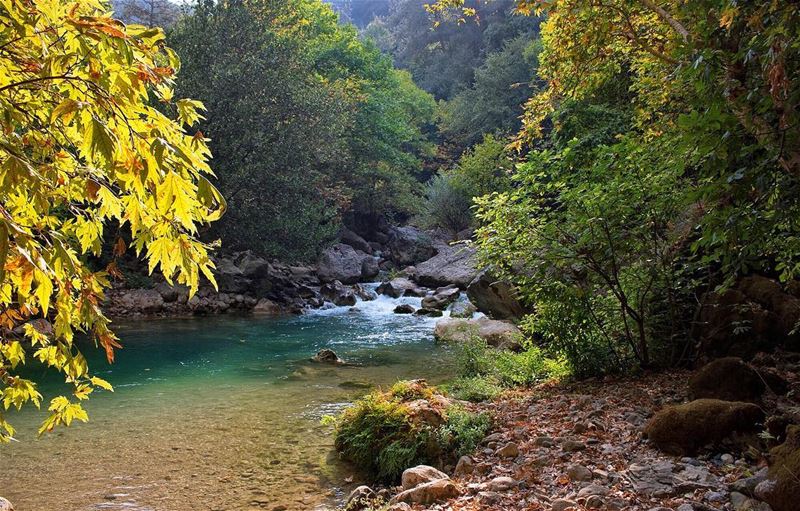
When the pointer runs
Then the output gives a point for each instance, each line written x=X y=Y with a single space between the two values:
x=217 y=413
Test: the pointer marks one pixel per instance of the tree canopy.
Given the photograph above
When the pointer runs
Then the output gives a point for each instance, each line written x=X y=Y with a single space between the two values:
x=84 y=148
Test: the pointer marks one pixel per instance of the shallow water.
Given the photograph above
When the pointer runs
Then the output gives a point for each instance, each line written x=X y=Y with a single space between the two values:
x=218 y=413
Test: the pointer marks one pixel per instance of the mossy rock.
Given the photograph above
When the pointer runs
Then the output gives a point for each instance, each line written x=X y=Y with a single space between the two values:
x=728 y=379
x=687 y=428
x=782 y=487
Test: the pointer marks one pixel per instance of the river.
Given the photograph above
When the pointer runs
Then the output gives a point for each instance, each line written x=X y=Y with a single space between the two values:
x=217 y=413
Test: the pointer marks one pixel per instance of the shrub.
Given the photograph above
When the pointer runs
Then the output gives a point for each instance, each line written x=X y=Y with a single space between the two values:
x=383 y=433
x=475 y=389
x=476 y=359
x=448 y=204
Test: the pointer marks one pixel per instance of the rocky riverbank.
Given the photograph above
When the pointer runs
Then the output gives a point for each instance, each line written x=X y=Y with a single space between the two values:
x=409 y=261
x=584 y=446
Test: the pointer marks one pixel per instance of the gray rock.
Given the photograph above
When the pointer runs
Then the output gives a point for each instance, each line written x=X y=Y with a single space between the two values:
x=399 y=287
x=502 y=483
x=424 y=311
x=562 y=505
x=454 y=264
x=465 y=466
x=267 y=307
x=500 y=334
x=408 y=245
x=748 y=485
x=594 y=502
x=370 y=268
x=572 y=446
x=462 y=309
x=348 y=237
x=494 y=298
x=404 y=308
x=341 y=262
x=441 y=298
x=593 y=489
x=579 y=473
x=338 y=293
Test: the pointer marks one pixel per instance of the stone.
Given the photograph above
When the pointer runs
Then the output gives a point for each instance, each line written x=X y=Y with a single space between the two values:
x=5 y=505
x=267 y=307
x=562 y=505
x=748 y=485
x=572 y=446
x=441 y=298
x=423 y=311
x=428 y=493
x=404 y=308
x=728 y=379
x=341 y=262
x=593 y=489
x=364 y=293
x=782 y=486
x=327 y=356
x=685 y=507
x=685 y=429
x=497 y=299
x=421 y=474
x=579 y=473
x=462 y=309
x=361 y=498
x=500 y=334
x=594 y=502
x=370 y=268
x=145 y=301
x=398 y=287
x=338 y=293
x=409 y=245
x=348 y=237
x=400 y=506
x=510 y=450
x=465 y=466
x=544 y=441
x=453 y=264
x=502 y=483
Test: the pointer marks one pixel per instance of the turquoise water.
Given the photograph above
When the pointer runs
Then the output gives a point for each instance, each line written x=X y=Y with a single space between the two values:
x=218 y=413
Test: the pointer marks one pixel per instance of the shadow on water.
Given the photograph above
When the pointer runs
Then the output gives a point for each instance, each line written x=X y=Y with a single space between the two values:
x=217 y=413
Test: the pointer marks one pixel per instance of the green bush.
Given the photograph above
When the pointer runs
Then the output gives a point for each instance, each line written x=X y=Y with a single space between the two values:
x=475 y=389
x=476 y=359
x=383 y=435
x=448 y=204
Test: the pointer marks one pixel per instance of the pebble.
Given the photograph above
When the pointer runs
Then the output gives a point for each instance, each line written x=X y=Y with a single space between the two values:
x=594 y=502
x=727 y=459
x=572 y=446
x=685 y=507
x=510 y=450
x=544 y=441
x=501 y=483
x=579 y=473
x=593 y=489
x=562 y=504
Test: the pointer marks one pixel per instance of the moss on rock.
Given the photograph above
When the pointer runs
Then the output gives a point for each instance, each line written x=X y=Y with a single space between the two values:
x=687 y=428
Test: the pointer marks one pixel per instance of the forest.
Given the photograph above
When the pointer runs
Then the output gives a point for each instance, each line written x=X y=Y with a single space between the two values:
x=528 y=254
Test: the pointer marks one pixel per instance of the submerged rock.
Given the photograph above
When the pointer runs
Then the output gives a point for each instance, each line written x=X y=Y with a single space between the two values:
x=404 y=308
x=685 y=429
x=326 y=356
x=441 y=298
x=424 y=311
x=399 y=287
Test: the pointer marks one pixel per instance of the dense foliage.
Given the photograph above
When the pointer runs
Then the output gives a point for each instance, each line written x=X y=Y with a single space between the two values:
x=306 y=121
x=83 y=149
x=689 y=178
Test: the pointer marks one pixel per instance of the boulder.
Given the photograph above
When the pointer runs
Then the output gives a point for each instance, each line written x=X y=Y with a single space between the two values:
x=729 y=379
x=399 y=287
x=685 y=429
x=441 y=298
x=454 y=264
x=420 y=474
x=463 y=309
x=267 y=307
x=495 y=298
x=370 y=268
x=424 y=311
x=252 y=266
x=433 y=492
x=465 y=466
x=327 y=356
x=500 y=334
x=409 y=245
x=348 y=237
x=782 y=486
x=404 y=308
x=146 y=301
x=338 y=293
x=361 y=498
x=341 y=262
x=364 y=293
